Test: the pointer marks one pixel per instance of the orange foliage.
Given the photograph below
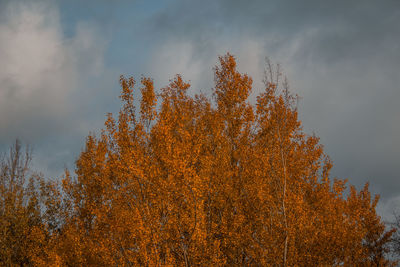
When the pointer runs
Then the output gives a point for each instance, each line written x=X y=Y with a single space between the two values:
x=201 y=182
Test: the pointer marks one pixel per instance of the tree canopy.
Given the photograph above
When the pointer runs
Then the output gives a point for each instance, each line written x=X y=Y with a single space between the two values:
x=193 y=181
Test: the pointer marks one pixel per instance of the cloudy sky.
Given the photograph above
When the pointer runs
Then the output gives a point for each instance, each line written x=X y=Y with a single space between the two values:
x=60 y=63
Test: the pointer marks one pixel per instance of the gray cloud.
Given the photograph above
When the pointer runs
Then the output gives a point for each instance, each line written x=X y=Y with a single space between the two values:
x=46 y=81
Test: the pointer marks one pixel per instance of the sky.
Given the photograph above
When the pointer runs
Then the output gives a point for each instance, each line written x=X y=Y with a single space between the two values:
x=60 y=63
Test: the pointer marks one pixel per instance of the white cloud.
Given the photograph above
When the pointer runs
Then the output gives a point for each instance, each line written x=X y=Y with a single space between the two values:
x=173 y=58
x=41 y=68
x=188 y=59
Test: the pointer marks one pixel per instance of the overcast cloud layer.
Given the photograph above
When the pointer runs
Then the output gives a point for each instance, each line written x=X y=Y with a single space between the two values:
x=61 y=62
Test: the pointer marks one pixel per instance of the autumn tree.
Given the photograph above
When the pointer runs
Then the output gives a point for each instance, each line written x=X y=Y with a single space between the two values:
x=221 y=181
x=394 y=244
x=29 y=211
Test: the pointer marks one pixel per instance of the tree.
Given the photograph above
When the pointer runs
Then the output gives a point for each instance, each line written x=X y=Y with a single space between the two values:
x=199 y=182
x=29 y=211
x=394 y=244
